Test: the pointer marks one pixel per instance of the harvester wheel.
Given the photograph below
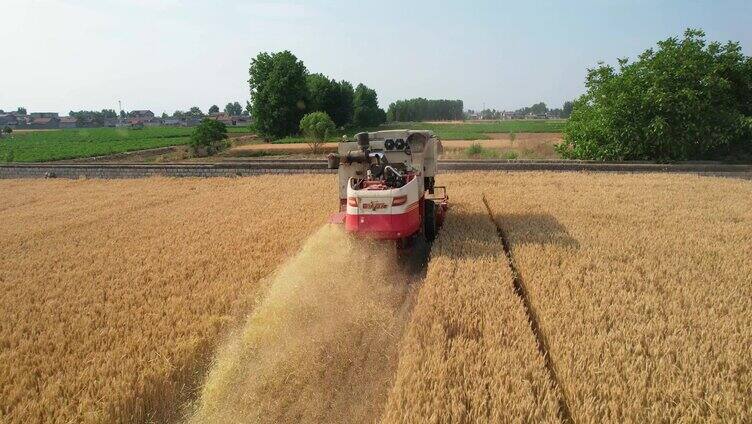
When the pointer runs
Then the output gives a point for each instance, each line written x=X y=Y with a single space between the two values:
x=429 y=221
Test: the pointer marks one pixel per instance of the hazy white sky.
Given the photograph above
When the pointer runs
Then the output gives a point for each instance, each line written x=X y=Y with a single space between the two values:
x=164 y=55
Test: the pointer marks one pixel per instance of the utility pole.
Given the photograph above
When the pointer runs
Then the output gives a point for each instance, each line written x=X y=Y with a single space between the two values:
x=120 y=113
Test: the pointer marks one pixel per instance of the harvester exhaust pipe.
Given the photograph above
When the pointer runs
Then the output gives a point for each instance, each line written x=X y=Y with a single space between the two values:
x=362 y=139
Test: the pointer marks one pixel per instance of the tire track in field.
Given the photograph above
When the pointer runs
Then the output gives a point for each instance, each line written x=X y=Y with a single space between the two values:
x=540 y=338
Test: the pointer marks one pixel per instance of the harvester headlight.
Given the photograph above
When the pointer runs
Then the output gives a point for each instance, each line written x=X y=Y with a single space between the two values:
x=399 y=200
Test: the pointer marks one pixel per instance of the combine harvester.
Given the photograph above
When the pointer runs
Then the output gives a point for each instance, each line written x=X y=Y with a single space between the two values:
x=386 y=186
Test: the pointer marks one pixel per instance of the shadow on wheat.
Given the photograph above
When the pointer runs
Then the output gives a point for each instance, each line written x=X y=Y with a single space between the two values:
x=322 y=345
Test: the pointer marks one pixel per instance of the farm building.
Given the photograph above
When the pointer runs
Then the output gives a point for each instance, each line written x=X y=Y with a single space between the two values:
x=141 y=114
x=172 y=122
x=7 y=119
x=230 y=120
x=68 y=122
x=44 y=123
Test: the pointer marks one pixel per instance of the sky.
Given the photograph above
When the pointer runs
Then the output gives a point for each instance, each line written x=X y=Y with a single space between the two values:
x=167 y=55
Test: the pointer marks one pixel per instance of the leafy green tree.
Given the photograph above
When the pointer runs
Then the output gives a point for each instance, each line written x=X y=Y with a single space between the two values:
x=123 y=115
x=165 y=115
x=342 y=115
x=234 y=109
x=334 y=98
x=323 y=94
x=90 y=118
x=195 y=111
x=213 y=109
x=209 y=137
x=317 y=126
x=490 y=114
x=109 y=113
x=686 y=100
x=566 y=110
x=539 y=109
x=278 y=93
x=367 y=112
x=178 y=114
x=21 y=111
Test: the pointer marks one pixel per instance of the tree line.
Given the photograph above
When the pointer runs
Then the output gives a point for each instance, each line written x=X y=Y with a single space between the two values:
x=283 y=91
x=420 y=109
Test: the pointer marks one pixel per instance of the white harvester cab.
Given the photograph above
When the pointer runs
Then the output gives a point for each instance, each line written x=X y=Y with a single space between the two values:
x=387 y=184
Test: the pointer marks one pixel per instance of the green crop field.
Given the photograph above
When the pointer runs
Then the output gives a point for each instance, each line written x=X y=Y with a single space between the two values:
x=41 y=146
x=478 y=131
x=458 y=130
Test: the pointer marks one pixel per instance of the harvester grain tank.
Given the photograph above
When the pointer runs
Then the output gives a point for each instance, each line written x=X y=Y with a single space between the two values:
x=387 y=185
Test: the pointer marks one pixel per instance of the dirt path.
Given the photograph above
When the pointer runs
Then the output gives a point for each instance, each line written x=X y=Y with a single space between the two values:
x=530 y=141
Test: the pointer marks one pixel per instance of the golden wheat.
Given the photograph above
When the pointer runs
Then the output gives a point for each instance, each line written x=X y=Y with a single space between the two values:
x=113 y=293
x=469 y=354
x=643 y=286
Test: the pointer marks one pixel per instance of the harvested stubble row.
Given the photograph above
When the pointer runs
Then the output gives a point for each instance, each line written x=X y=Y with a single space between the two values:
x=322 y=344
x=469 y=354
x=643 y=285
x=113 y=293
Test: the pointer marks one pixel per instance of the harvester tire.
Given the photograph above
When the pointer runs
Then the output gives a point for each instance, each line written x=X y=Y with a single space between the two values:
x=429 y=221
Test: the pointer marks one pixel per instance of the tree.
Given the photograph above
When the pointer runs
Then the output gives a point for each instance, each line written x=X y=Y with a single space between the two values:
x=367 y=112
x=209 y=137
x=90 y=118
x=247 y=110
x=342 y=115
x=322 y=95
x=165 y=115
x=233 y=109
x=566 y=110
x=213 y=109
x=687 y=100
x=123 y=115
x=178 y=114
x=490 y=114
x=278 y=93
x=334 y=98
x=195 y=111
x=21 y=111
x=317 y=126
x=539 y=109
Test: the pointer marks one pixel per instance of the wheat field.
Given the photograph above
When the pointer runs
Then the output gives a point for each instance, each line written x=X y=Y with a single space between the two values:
x=113 y=293
x=468 y=354
x=643 y=284
x=229 y=300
